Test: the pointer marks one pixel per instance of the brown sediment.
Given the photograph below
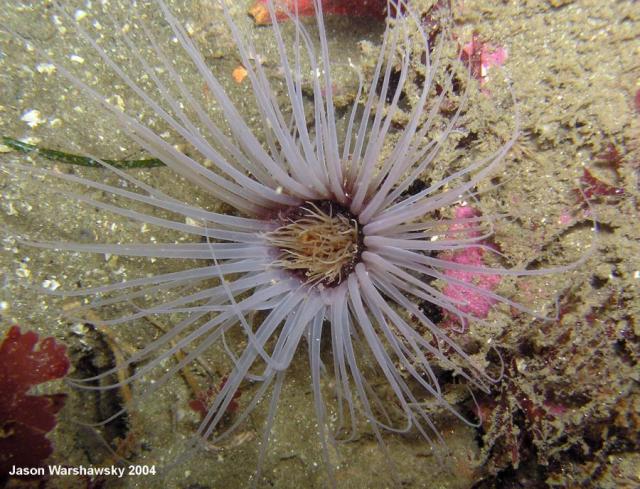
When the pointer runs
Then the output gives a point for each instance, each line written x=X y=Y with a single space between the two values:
x=575 y=76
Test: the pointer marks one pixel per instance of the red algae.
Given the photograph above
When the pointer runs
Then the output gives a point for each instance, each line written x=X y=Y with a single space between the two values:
x=594 y=187
x=204 y=398
x=25 y=419
x=610 y=157
x=352 y=8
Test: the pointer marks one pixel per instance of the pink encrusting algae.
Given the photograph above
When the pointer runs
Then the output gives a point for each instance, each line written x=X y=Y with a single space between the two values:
x=480 y=56
x=472 y=300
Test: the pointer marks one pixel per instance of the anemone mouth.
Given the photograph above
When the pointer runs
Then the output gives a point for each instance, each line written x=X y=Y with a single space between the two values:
x=319 y=242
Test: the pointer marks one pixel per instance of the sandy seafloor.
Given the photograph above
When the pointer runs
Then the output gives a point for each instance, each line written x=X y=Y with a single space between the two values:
x=567 y=412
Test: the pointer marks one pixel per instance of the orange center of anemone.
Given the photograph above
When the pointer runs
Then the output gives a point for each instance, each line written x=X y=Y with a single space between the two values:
x=320 y=242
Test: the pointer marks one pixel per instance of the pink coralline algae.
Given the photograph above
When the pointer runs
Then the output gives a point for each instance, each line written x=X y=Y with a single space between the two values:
x=472 y=301
x=26 y=419
x=353 y=8
x=479 y=56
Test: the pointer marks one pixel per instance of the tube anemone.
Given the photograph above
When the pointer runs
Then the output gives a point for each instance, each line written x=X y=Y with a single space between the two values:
x=325 y=241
